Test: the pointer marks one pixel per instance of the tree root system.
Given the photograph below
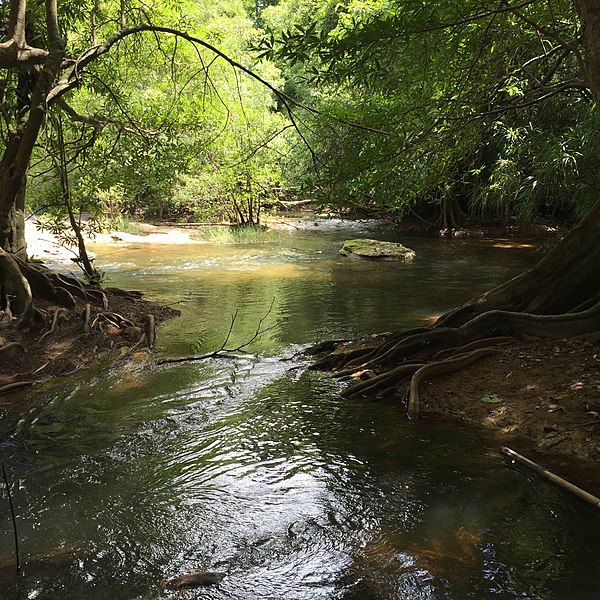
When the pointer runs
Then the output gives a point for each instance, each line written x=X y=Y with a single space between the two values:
x=69 y=324
x=402 y=365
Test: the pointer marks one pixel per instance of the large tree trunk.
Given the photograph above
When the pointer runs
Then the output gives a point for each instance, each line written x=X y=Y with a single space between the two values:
x=30 y=118
x=13 y=177
x=17 y=155
x=12 y=220
x=565 y=279
x=589 y=15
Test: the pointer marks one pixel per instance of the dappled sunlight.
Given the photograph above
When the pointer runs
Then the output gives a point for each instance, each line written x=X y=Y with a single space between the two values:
x=496 y=419
x=430 y=319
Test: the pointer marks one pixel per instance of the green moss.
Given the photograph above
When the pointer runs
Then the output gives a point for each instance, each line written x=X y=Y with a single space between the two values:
x=375 y=249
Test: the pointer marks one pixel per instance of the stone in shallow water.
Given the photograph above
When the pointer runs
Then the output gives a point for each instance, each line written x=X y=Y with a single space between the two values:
x=194 y=579
x=376 y=249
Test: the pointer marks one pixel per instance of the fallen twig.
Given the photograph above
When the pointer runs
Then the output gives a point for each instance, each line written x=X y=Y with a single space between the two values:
x=224 y=352
x=14 y=519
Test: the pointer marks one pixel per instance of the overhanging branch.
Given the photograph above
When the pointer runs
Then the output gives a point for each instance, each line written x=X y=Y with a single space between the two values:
x=71 y=78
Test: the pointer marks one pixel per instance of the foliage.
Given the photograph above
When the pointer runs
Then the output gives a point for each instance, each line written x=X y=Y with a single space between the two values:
x=409 y=102
x=541 y=169
x=457 y=87
x=491 y=399
x=179 y=131
x=240 y=235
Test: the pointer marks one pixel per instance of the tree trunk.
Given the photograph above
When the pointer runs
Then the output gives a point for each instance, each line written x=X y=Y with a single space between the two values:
x=13 y=177
x=16 y=157
x=589 y=15
x=566 y=278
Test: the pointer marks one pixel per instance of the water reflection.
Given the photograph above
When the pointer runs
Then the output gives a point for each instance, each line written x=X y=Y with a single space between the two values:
x=133 y=475
x=317 y=293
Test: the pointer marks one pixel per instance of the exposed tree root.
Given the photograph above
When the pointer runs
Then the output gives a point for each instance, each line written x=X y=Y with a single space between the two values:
x=483 y=343
x=107 y=317
x=9 y=348
x=45 y=284
x=382 y=381
x=16 y=385
x=421 y=354
x=340 y=359
x=15 y=287
x=60 y=312
x=436 y=369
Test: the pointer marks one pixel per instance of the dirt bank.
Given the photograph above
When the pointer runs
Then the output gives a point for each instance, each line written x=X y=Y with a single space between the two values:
x=545 y=390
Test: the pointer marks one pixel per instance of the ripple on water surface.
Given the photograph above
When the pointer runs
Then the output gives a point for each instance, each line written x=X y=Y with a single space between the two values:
x=133 y=475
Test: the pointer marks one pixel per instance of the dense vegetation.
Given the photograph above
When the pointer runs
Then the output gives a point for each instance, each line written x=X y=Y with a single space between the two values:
x=453 y=107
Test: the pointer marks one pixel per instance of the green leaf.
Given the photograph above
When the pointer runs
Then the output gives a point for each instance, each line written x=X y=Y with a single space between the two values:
x=491 y=399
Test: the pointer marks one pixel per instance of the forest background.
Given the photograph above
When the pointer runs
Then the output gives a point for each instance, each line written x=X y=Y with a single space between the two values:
x=370 y=106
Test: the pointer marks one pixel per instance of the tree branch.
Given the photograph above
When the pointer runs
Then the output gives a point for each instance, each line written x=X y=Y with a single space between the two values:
x=71 y=77
x=224 y=352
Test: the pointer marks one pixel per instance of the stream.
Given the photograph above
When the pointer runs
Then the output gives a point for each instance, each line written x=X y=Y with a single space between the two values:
x=257 y=468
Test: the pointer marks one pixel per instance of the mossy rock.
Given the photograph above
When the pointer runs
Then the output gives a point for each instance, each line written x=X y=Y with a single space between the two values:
x=376 y=250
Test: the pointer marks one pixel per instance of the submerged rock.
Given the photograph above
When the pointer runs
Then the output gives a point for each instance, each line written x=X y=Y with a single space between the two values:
x=194 y=579
x=376 y=249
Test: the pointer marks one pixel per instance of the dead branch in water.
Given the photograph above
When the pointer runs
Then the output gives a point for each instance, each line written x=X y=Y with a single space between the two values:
x=223 y=351
x=14 y=519
x=555 y=479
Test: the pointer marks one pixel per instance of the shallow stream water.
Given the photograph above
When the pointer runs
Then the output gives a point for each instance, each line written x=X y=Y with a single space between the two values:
x=256 y=468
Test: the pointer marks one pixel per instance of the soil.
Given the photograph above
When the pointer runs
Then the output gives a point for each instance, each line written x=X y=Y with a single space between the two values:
x=547 y=391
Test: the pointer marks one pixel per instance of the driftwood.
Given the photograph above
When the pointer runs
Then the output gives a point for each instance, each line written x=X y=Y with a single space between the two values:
x=555 y=479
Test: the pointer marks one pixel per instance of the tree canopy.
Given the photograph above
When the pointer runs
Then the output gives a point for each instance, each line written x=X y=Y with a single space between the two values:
x=483 y=104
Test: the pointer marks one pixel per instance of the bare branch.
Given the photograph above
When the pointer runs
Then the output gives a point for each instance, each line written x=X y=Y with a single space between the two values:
x=71 y=77
x=224 y=352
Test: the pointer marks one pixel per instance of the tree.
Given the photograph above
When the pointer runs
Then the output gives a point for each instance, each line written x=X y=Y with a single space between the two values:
x=47 y=56
x=559 y=296
x=458 y=87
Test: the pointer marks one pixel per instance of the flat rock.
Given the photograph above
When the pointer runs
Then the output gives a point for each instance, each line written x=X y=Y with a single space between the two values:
x=376 y=250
